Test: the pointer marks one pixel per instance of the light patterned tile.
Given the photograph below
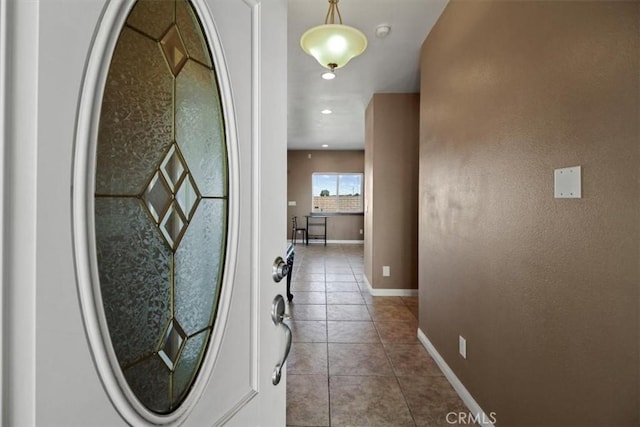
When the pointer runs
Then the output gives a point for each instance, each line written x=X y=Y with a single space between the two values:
x=339 y=270
x=364 y=387
x=398 y=332
x=371 y=300
x=311 y=269
x=344 y=298
x=352 y=332
x=411 y=360
x=390 y=313
x=358 y=359
x=307 y=312
x=364 y=288
x=410 y=300
x=415 y=311
x=337 y=263
x=309 y=298
x=342 y=287
x=368 y=401
x=310 y=277
x=340 y=278
x=431 y=399
x=307 y=400
x=348 y=312
x=308 y=330
x=307 y=359
x=300 y=286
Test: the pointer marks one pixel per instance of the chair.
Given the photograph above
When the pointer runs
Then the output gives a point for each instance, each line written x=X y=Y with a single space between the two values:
x=295 y=228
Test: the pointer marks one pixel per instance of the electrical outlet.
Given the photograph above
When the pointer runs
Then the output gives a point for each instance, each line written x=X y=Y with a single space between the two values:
x=386 y=271
x=462 y=346
x=361 y=231
x=292 y=203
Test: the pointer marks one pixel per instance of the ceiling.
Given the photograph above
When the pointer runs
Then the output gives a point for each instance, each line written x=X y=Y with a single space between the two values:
x=389 y=64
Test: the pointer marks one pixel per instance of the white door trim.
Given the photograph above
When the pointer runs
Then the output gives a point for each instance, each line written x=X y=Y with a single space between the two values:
x=20 y=26
x=3 y=148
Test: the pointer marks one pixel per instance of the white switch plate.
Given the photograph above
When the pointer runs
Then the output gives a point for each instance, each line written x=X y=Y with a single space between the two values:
x=567 y=183
x=292 y=203
x=386 y=271
x=462 y=347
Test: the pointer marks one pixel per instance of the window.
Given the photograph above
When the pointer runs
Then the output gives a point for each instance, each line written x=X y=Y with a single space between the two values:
x=337 y=192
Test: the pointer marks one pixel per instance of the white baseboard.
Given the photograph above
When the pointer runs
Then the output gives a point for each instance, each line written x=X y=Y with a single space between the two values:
x=482 y=418
x=339 y=242
x=390 y=292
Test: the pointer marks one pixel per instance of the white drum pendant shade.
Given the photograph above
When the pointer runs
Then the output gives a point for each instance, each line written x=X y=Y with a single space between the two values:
x=333 y=45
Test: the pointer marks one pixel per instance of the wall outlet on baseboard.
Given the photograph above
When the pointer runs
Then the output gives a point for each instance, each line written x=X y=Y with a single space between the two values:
x=386 y=271
x=462 y=346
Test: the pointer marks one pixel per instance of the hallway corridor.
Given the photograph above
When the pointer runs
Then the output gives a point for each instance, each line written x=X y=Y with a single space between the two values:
x=356 y=359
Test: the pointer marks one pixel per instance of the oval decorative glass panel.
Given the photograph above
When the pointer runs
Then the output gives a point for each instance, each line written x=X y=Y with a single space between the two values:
x=161 y=200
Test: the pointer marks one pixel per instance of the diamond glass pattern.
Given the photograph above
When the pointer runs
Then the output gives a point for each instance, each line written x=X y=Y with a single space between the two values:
x=174 y=49
x=172 y=167
x=157 y=196
x=151 y=17
x=161 y=207
x=185 y=369
x=172 y=196
x=187 y=196
x=172 y=226
x=188 y=23
x=171 y=344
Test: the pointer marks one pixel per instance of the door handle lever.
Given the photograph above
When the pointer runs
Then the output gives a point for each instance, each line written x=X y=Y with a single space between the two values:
x=277 y=315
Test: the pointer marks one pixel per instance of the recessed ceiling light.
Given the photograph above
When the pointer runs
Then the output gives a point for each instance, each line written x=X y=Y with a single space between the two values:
x=329 y=75
x=325 y=145
x=326 y=111
x=383 y=30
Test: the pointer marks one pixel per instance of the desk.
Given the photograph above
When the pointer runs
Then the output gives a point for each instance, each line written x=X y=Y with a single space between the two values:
x=319 y=222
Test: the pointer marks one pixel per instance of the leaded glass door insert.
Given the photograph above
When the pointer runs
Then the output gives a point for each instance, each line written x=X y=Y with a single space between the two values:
x=161 y=201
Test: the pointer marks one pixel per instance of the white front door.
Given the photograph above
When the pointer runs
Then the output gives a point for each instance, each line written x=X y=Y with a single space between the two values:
x=56 y=367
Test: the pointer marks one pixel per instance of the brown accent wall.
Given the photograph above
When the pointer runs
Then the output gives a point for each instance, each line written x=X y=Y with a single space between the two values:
x=368 y=189
x=299 y=170
x=391 y=190
x=544 y=290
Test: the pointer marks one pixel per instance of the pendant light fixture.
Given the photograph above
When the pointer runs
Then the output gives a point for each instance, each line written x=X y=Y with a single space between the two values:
x=331 y=44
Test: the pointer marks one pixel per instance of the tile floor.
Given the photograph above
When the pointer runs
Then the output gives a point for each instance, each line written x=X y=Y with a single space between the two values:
x=356 y=359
